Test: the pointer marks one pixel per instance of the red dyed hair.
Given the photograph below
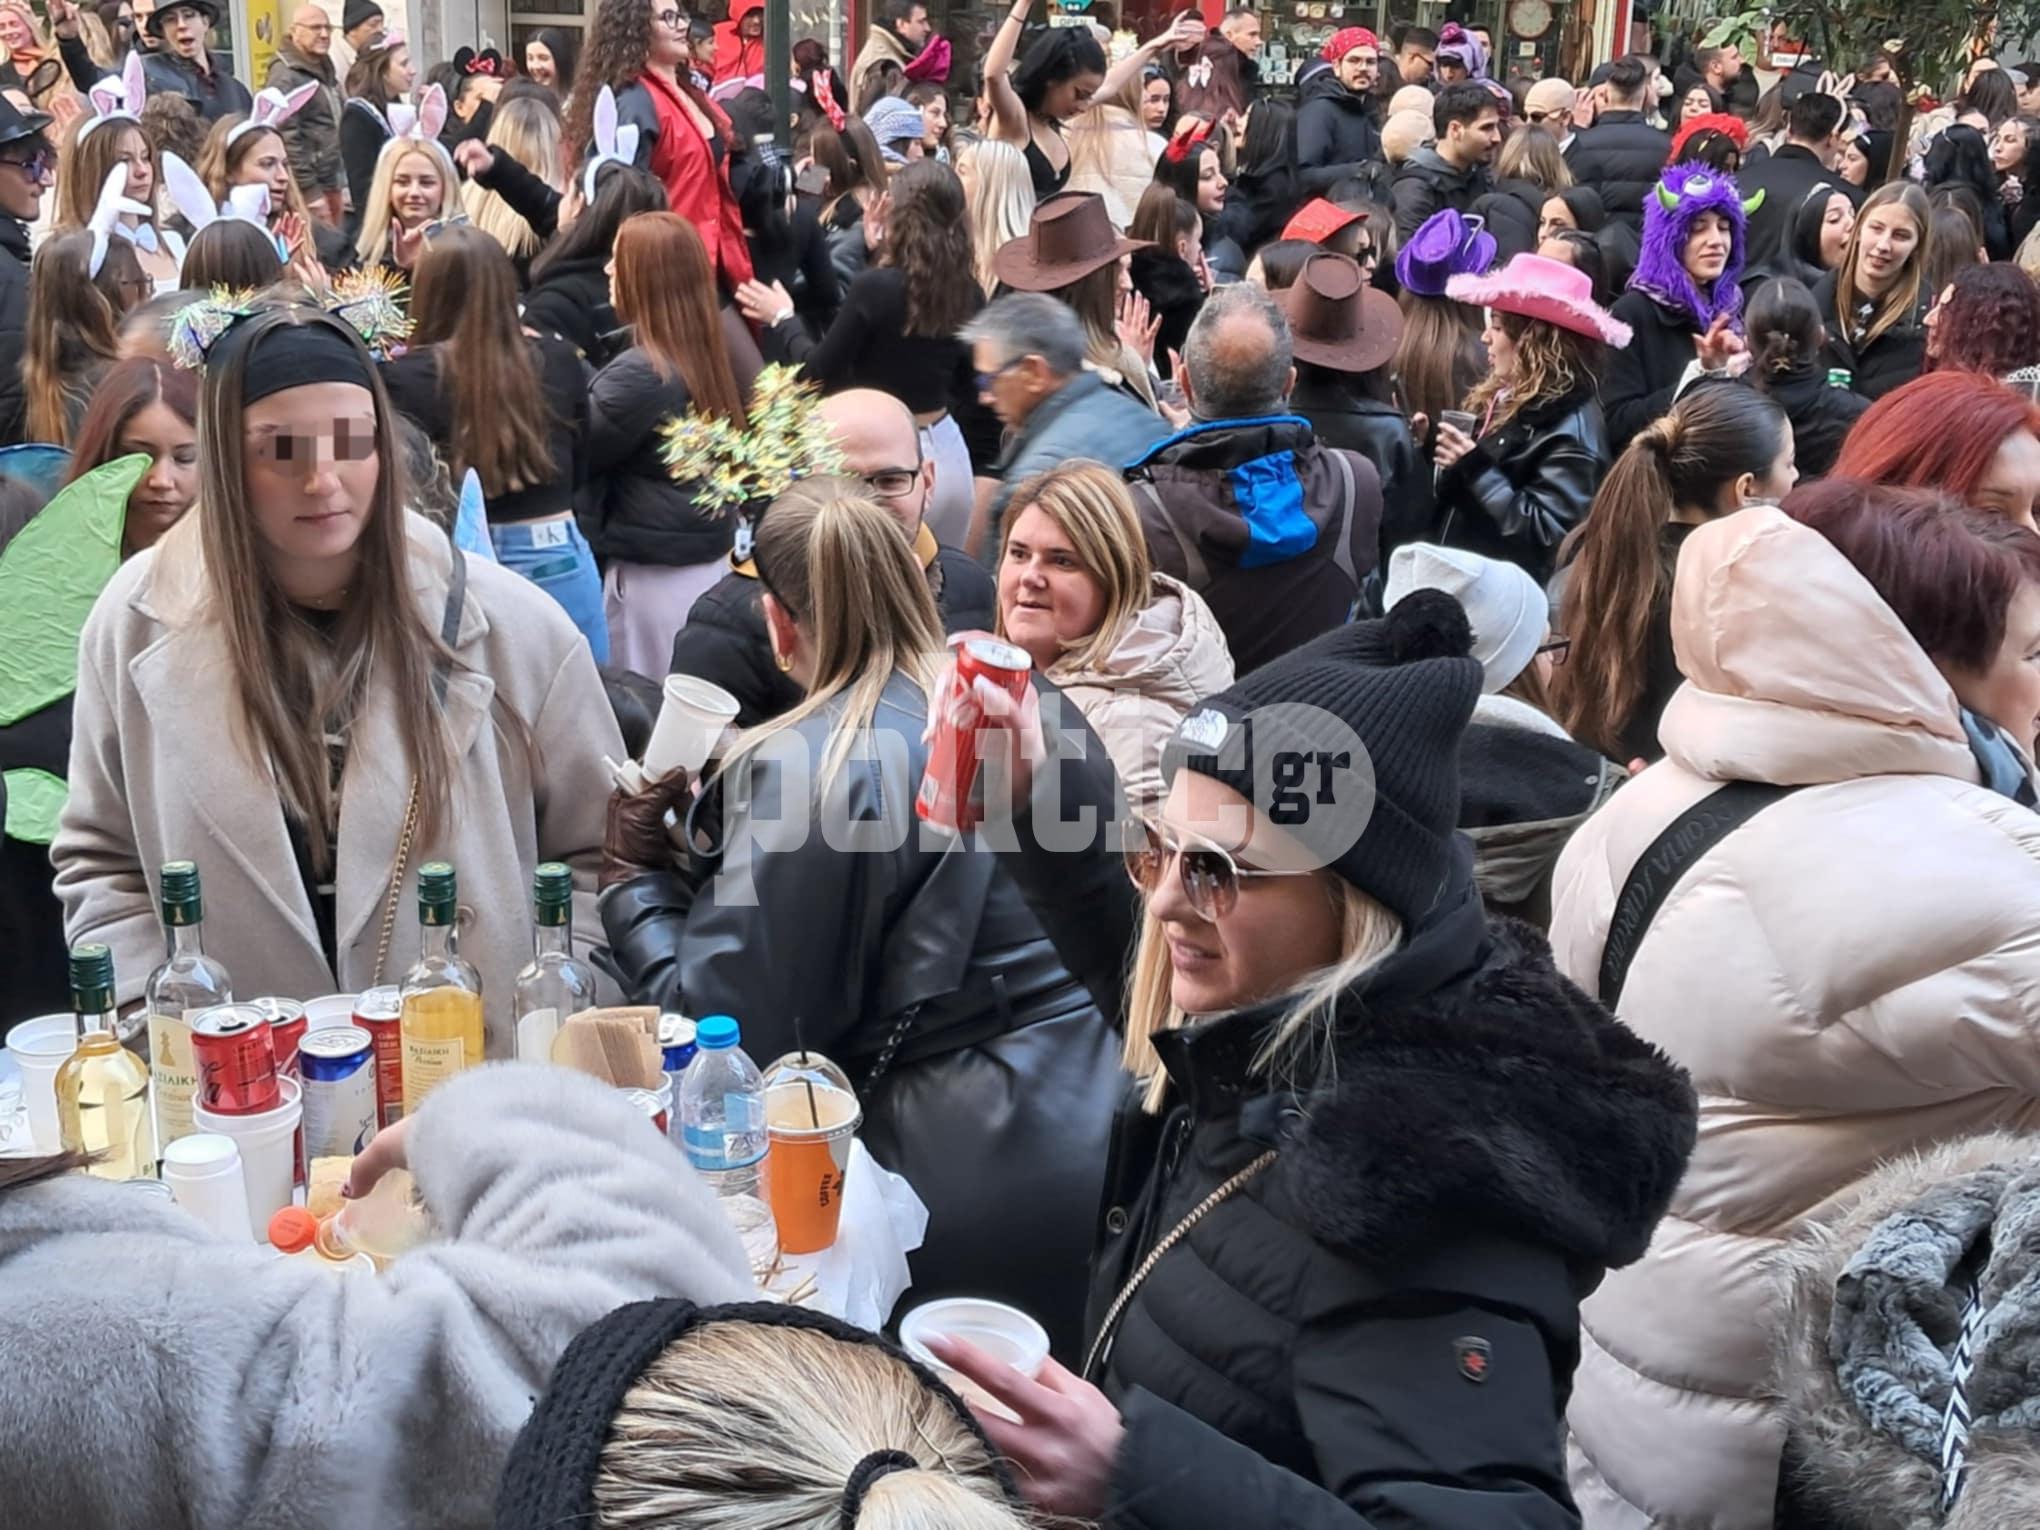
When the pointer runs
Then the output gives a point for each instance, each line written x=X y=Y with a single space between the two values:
x=1937 y=432
x=1725 y=123
x=1948 y=573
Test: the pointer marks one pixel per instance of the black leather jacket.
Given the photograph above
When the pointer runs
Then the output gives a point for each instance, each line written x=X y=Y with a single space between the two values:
x=987 y=1074
x=1523 y=487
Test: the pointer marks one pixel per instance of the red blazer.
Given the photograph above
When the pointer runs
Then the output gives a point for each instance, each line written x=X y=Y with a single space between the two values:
x=697 y=181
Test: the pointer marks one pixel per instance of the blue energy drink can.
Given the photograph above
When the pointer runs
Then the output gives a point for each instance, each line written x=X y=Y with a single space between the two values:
x=337 y=1069
x=676 y=1044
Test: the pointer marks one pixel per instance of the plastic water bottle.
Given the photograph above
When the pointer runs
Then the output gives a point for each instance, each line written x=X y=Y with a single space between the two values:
x=722 y=1128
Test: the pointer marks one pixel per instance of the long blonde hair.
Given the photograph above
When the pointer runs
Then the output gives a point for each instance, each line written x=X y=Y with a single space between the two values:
x=752 y=1426
x=843 y=569
x=1300 y=1044
x=1001 y=195
x=528 y=131
x=1902 y=298
x=374 y=238
x=1090 y=505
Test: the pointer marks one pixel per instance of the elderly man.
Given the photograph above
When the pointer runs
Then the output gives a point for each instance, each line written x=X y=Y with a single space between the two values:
x=1276 y=532
x=724 y=640
x=1029 y=354
x=361 y=23
x=305 y=57
x=184 y=66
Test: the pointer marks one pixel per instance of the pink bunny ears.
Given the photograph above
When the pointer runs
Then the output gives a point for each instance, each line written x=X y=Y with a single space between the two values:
x=272 y=110
x=117 y=98
x=423 y=123
x=613 y=145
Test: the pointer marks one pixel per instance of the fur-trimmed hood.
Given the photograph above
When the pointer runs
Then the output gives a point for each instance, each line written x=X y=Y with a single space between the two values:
x=1874 y=1301
x=1691 y=189
x=1505 y=1099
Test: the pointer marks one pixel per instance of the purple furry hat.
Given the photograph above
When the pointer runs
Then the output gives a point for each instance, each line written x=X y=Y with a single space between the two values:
x=1671 y=208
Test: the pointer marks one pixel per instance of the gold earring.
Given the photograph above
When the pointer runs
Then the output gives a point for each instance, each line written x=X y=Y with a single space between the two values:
x=784 y=661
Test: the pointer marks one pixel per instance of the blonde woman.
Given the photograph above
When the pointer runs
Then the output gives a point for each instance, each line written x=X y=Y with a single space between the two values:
x=836 y=1428
x=984 y=1068
x=1133 y=648
x=1000 y=194
x=1874 y=304
x=1385 y=1146
x=414 y=185
x=527 y=131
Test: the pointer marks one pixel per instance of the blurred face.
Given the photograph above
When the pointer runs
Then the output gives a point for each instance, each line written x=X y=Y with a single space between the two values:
x=2012 y=486
x=935 y=120
x=310 y=474
x=417 y=190
x=184 y=29
x=2008 y=146
x=1359 y=68
x=1885 y=241
x=1154 y=106
x=1553 y=217
x=1837 y=223
x=1279 y=928
x=1211 y=184
x=266 y=162
x=1414 y=65
x=398 y=75
x=1694 y=104
x=752 y=26
x=167 y=490
x=1501 y=347
x=1730 y=64
x=312 y=33
x=141 y=168
x=540 y=65
x=1011 y=387
x=1071 y=97
x=915 y=29
x=1559 y=249
x=1244 y=34
x=2008 y=690
x=1707 y=247
x=1048 y=600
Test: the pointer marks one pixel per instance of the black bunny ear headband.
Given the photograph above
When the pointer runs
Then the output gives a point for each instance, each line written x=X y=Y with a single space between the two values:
x=549 y=1480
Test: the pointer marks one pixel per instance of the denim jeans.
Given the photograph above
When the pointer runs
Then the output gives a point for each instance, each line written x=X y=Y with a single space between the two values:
x=555 y=556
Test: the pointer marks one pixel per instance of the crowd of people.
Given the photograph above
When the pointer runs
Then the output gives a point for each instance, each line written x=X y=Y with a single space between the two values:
x=1496 y=983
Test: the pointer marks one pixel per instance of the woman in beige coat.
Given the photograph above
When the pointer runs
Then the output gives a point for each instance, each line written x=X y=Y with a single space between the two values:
x=1132 y=648
x=1852 y=975
x=301 y=690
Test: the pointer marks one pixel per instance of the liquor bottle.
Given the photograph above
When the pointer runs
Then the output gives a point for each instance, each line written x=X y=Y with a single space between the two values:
x=441 y=1023
x=103 y=1088
x=187 y=982
x=555 y=985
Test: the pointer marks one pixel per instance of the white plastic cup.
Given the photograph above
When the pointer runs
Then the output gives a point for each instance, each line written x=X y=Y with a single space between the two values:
x=1004 y=1332
x=203 y=1170
x=322 y=1014
x=267 y=1140
x=691 y=719
x=39 y=1047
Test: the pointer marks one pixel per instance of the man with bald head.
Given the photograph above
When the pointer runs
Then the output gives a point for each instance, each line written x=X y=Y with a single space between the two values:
x=1548 y=106
x=1276 y=532
x=724 y=641
x=304 y=57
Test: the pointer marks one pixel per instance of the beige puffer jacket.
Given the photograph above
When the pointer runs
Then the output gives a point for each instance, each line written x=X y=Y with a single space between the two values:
x=1853 y=975
x=1170 y=657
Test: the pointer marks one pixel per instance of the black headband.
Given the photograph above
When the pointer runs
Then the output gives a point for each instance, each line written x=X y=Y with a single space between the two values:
x=294 y=356
x=549 y=1479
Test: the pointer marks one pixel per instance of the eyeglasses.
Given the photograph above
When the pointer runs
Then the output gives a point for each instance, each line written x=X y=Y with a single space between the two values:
x=667 y=19
x=1211 y=877
x=894 y=482
x=36 y=167
x=1555 y=649
x=986 y=379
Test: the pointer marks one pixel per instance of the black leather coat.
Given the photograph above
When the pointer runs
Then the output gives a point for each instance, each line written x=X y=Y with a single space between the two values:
x=1340 y=416
x=1523 y=487
x=987 y=1074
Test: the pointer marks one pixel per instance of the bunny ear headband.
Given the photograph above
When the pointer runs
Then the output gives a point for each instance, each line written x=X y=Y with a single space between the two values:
x=371 y=303
x=117 y=98
x=106 y=215
x=272 y=110
x=423 y=123
x=613 y=144
x=246 y=204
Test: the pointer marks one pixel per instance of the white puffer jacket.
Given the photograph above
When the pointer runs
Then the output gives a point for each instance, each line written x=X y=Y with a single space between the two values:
x=1853 y=975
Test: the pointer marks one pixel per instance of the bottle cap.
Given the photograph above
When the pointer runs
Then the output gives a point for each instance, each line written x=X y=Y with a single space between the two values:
x=180 y=892
x=92 y=969
x=716 y=1032
x=293 y=1230
x=437 y=892
x=552 y=891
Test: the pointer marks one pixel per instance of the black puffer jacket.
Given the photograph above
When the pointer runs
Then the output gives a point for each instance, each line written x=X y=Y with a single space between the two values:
x=1381 y=1328
x=1336 y=133
x=571 y=300
x=1426 y=184
x=1620 y=156
x=632 y=510
x=1524 y=486
x=987 y=1074
x=214 y=93
x=1341 y=416
x=1523 y=788
x=1512 y=211
x=1641 y=377
x=1820 y=413
x=1890 y=361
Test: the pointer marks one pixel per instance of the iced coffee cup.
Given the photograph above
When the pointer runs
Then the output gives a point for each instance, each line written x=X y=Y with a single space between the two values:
x=812 y=1116
x=692 y=720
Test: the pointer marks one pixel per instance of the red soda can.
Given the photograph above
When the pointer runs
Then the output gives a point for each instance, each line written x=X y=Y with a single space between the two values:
x=286 y=1030
x=236 y=1058
x=379 y=1011
x=952 y=795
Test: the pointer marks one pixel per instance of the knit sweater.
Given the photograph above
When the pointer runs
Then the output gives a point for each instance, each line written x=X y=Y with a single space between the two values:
x=155 y=1376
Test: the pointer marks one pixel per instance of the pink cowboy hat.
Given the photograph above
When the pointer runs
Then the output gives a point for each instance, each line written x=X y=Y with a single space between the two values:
x=1540 y=288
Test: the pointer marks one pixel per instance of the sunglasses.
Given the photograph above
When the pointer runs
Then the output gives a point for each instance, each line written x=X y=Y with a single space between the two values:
x=36 y=167
x=1211 y=877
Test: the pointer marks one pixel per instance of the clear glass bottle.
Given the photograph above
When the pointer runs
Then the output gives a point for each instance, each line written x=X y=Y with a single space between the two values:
x=555 y=984
x=187 y=982
x=441 y=1023
x=103 y=1088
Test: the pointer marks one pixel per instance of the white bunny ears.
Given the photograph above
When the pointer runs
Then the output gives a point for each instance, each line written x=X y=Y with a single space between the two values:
x=272 y=110
x=423 y=122
x=245 y=204
x=613 y=144
x=117 y=98
x=106 y=215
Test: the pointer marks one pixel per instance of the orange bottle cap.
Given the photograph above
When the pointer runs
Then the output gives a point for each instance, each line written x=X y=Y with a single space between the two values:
x=293 y=1229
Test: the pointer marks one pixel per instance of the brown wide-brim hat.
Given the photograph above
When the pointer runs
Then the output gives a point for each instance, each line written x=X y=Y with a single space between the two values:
x=1071 y=235
x=1338 y=320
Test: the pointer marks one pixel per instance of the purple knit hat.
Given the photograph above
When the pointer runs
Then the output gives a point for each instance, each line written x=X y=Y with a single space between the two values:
x=1681 y=195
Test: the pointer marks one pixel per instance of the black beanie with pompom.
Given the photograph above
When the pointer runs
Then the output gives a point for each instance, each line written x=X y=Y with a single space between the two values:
x=1350 y=744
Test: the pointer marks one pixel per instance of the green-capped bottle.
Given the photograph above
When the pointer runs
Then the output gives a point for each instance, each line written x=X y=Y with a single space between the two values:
x=187 y=982
x=441 y=1021
x=103 y=1088
x=555 y=984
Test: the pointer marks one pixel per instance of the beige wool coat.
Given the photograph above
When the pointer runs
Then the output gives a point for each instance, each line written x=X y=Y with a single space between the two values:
x=1852 y=976
x=157 y=774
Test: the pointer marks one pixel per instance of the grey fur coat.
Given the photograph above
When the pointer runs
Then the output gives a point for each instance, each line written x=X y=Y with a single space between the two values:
x=150 y=1376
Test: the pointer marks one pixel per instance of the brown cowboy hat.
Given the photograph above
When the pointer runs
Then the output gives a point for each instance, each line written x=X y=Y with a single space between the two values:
x=1337 y=320
x=1071 y=235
